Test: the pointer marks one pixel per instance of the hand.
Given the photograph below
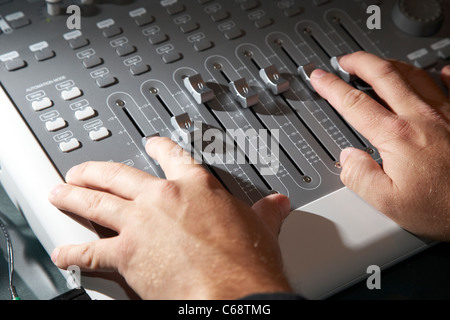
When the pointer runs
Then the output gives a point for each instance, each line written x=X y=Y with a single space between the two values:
x=412 y=187
x=181 y=238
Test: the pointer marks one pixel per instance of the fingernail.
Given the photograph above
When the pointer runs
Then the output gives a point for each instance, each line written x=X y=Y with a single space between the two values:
x=54 y=255
x=345 y=154
x=285 y=204
x=318 y=73
x=56 y=190
x=147 y=140
x=71 y=172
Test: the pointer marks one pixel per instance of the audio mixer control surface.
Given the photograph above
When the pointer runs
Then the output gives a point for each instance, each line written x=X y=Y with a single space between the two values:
x=229 y=82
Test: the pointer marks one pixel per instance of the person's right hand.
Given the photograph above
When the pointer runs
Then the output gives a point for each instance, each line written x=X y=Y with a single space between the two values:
x=412 y=187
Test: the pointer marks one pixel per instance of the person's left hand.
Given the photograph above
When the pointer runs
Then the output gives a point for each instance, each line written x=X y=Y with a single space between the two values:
x=181 y=238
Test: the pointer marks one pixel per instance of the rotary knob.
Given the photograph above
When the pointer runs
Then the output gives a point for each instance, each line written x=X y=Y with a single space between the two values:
x=417 y=17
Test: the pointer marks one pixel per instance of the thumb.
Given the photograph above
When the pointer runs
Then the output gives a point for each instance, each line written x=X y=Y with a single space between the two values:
x=365 y=176
x=445 y=75
x=272 y=210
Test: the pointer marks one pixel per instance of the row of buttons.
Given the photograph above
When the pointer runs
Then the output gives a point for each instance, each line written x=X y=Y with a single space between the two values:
x=53 y=122
x=13 y=62
x=424 y=59
x=77 y=41
x=14 y=20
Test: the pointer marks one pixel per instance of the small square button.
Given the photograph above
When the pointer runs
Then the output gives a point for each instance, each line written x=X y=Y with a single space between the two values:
x=106 y=81
x=43 y=55
x=125 y=50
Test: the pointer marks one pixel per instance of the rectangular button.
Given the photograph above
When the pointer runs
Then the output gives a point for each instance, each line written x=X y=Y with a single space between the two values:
x=71 y=94
x=15 y=64
x=203 y=45
x=78 y=43
x=106 y=81
x=42 y=104
x=144 y=20
x=157 y=38
x=69 y=146
x=111 y=32
x=92 y=62
x=99 y=134
x=234 y=33
x=125 y=50
x=55 y=125
x=171 y=57
x=44 y=55
x=85 y=114
x=139 y=69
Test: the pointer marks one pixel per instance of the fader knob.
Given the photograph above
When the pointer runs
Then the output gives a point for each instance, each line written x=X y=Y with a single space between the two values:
x=417 y=17
x=53 y=7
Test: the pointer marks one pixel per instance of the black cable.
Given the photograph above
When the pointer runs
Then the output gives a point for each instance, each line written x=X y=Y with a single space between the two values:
x=10 y=258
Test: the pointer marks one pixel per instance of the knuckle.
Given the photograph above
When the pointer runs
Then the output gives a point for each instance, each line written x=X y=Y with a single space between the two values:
x=93 y=202
x=205 y=178
x=385 y=69
x=354 y=98
x=169 y=190
x=399 y=127
x=112 y=172
x=89 y=258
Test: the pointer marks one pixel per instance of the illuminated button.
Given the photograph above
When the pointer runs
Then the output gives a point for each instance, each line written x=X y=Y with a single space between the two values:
x=71 y=94
x=41 y=104
x=243 y=94
x=55 y=125
x=85 y=113
x=99 y=134
x=70 y=146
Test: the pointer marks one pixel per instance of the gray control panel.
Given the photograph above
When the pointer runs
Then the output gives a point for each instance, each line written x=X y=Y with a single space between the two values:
x=228 y=80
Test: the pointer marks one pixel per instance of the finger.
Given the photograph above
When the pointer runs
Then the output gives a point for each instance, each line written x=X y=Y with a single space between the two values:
x=116 y=178
x=445 y=76
x=365 y=177
x=100 y=207
x=362 y=112
x=273 y=210
x=173 y=159
x=93 y=256
x=385 y=78
x=422 y=83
